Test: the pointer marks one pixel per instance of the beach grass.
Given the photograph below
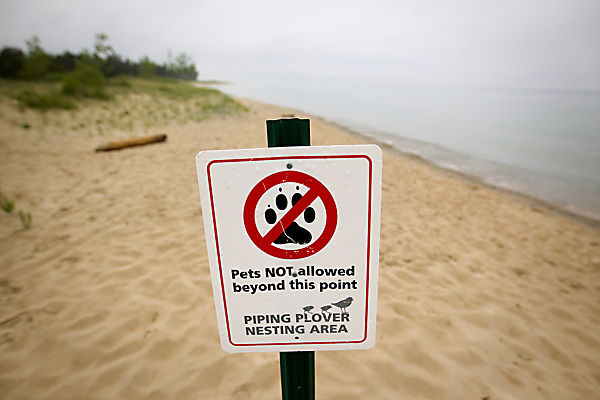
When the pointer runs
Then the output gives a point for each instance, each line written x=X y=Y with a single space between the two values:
x=124 y=103
x=26 y=219
x=6 y=204
x=44 y=100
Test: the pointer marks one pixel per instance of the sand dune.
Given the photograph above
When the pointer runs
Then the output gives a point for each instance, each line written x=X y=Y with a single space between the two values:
x=482 y=294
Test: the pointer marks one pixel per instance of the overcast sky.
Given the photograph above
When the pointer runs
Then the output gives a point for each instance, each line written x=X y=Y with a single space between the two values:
x=526 y=43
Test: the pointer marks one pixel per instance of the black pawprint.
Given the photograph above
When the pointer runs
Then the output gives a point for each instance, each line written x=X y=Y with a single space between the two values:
x=293 y=233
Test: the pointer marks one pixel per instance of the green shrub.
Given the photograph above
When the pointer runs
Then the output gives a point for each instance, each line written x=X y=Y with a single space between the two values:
x=36 y=66
x=120 y=81
x=85 y=80
x=37 y=63
x=146 y=68
x=44 y=101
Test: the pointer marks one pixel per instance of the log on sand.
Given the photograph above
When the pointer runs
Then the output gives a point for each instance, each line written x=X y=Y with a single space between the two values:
x=140 y=141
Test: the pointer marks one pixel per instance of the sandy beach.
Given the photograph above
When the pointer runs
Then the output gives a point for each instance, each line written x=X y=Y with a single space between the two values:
x=483 y=294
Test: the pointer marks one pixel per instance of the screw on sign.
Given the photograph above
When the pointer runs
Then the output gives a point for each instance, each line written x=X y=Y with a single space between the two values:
x=300 y=206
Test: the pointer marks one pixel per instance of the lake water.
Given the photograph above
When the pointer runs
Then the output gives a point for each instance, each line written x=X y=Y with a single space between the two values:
x=543 y=143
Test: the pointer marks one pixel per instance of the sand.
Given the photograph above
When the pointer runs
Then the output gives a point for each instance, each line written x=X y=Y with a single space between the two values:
x=482 y=294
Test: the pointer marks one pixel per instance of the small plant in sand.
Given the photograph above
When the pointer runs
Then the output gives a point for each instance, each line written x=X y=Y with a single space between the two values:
x=6 y=204
x=26 y=219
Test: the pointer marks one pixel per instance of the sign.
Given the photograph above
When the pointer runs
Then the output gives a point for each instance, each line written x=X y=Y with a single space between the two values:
x=293 y=243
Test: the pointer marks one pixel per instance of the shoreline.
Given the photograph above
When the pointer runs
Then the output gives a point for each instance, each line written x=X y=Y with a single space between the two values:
x=466 y=177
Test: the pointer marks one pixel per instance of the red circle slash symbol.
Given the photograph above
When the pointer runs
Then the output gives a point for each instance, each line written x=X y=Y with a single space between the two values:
x=315 y=190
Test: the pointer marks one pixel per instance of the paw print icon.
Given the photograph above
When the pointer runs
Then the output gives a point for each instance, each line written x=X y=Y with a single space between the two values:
x=290 y=215
x=294 y=233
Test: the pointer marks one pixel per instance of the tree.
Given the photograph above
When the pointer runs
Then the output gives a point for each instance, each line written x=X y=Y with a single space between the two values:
x=182 y=67
x=147 y=68
x=37 y=63
x=185 y=67
x=102 y=49
x=11 y=62
x=64 y=62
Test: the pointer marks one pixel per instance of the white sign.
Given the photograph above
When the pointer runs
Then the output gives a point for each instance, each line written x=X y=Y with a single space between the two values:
x=293 y=243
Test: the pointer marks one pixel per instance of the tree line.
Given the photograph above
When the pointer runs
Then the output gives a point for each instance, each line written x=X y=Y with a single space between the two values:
x=35 y=63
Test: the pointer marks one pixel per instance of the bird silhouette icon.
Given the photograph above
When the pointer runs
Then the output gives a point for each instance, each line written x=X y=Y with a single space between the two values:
x=342 y=304
x=325 y=308
x=308 y=309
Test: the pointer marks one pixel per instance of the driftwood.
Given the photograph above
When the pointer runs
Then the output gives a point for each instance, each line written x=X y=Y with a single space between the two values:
x=140 y=141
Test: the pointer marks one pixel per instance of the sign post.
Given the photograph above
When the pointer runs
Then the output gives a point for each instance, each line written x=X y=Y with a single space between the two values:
x=292 y=235
x=297 y=368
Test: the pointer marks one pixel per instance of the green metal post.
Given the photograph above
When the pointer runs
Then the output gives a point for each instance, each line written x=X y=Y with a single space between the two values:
x=288 y=132
x=297 y=375
x=297 y=368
